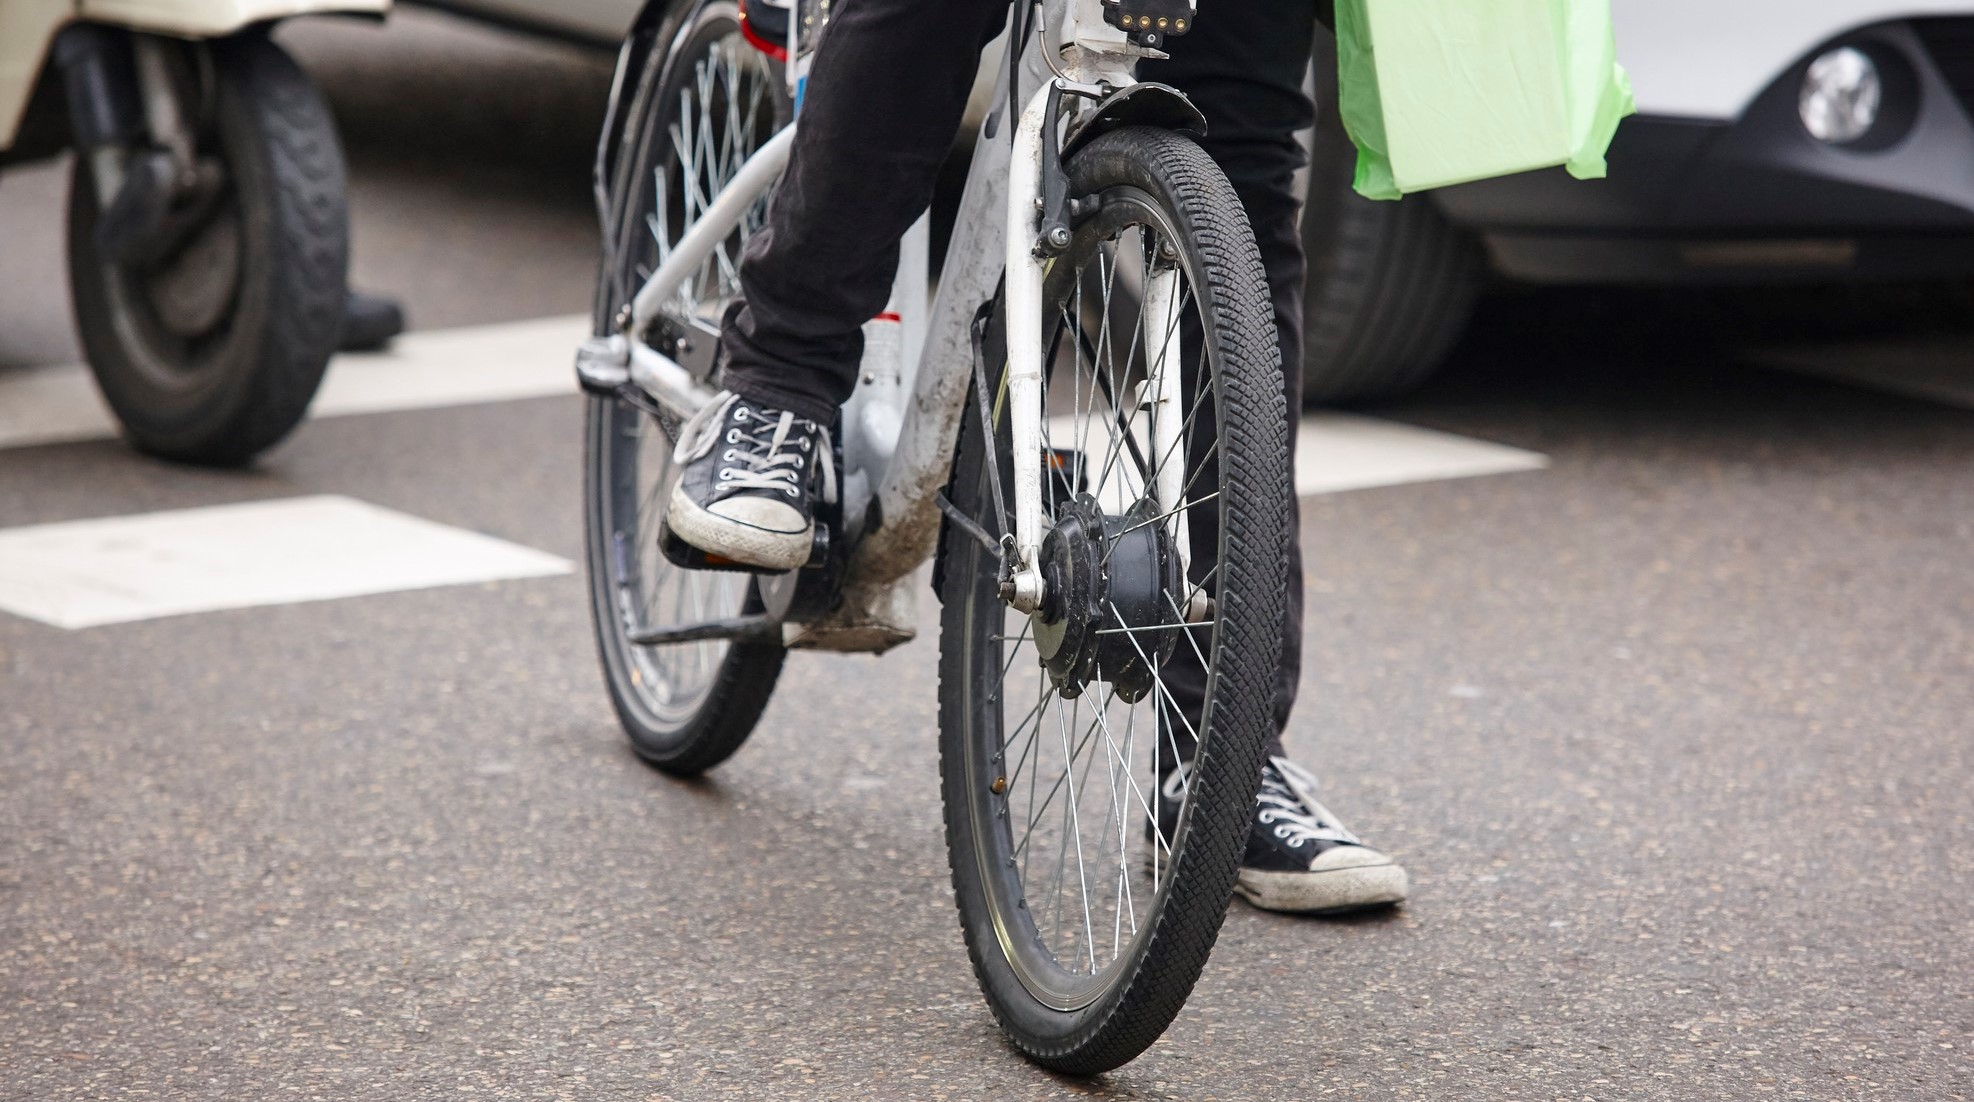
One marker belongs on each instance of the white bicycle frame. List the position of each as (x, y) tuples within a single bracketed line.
[(901, 424)]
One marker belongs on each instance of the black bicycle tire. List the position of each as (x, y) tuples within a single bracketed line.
[(748, 672), (1169, 957)]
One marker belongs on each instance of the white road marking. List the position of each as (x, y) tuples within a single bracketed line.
[(442, 367), (531, 359), (85, 573), (51, 405), (522, 360), (1935, 369), (450, 367), (1334, 452), (1341, 451)]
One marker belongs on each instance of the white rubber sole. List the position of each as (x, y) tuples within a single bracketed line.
[(737, 540), (1345, 887)]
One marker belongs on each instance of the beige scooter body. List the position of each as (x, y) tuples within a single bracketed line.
[(208, 228), (28, 26)]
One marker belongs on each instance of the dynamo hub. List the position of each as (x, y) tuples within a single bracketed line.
[(1110, 583)]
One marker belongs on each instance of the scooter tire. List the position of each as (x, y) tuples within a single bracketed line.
[(220, 380)]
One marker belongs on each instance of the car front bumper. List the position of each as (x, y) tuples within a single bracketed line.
[(1758, 199)]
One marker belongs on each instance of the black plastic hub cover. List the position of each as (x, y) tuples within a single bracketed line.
[(1110, 582)]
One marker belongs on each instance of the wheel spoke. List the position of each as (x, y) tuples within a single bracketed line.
[(710, 119), (1080, 846)]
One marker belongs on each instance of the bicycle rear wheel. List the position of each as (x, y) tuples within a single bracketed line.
[(1099, 759), (704, 103)]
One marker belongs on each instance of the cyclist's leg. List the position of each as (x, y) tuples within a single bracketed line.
[(1243, 65), (883, 102)]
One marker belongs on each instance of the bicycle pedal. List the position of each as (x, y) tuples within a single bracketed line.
[(687, 557)]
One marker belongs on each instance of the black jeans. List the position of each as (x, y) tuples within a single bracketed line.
[(883, 102)]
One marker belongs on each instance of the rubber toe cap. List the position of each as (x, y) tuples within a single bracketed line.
[(764, 513)]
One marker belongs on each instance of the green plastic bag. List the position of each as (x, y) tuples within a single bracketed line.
[(1438, 92)]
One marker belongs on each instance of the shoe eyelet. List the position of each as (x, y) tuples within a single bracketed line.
[(728, 456), (733, 436), (1282, 833), (726, 473), (789, 490)]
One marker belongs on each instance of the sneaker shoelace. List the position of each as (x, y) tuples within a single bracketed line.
[(758, 457), (1288, 804)]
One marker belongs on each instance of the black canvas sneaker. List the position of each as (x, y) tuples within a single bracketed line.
[(1300, 858), (750, 485)]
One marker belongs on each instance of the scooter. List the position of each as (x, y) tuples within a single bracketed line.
[(208, 226)]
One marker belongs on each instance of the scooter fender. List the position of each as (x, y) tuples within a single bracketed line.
[(26, 28), (213, 18)]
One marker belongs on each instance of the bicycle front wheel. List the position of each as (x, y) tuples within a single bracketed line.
[(1100, 757)]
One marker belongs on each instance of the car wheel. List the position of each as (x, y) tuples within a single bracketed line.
[(1391, 284)]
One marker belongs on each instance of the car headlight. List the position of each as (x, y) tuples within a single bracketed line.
[(1842, 93)]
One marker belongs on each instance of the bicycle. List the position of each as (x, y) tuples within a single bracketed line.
[(1091, 446)]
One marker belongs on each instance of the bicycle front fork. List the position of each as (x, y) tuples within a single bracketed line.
[(1033, 203)]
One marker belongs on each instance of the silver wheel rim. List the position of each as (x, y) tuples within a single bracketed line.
[(1081, 877), (722, 110)]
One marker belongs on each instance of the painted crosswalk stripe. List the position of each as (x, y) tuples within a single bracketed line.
[(450, 367), (86, 573), (1341, 451), (1334, 452), (531, 359), (442, 367)]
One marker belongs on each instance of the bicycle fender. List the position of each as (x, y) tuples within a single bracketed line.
[(1145, 104), (654, 19)]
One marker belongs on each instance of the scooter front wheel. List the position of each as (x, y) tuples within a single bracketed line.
[(210, 347)]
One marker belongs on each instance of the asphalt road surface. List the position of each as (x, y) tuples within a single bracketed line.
[(1673, 733)]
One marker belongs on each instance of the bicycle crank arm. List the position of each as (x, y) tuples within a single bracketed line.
[(738, 629), (608, 365)]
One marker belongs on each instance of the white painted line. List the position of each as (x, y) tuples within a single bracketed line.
[(444, 367), (51, 405), (532, 359), (1340, 451), (1933, 369), (86, 573), (1334, 452), (451, 367)]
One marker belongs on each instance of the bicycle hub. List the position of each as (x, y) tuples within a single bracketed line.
[(1110, 605)]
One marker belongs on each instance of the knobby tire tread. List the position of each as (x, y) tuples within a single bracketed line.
[(1255, 533), (312, 220)]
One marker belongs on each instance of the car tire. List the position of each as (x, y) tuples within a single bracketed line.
[(1391, 284)]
